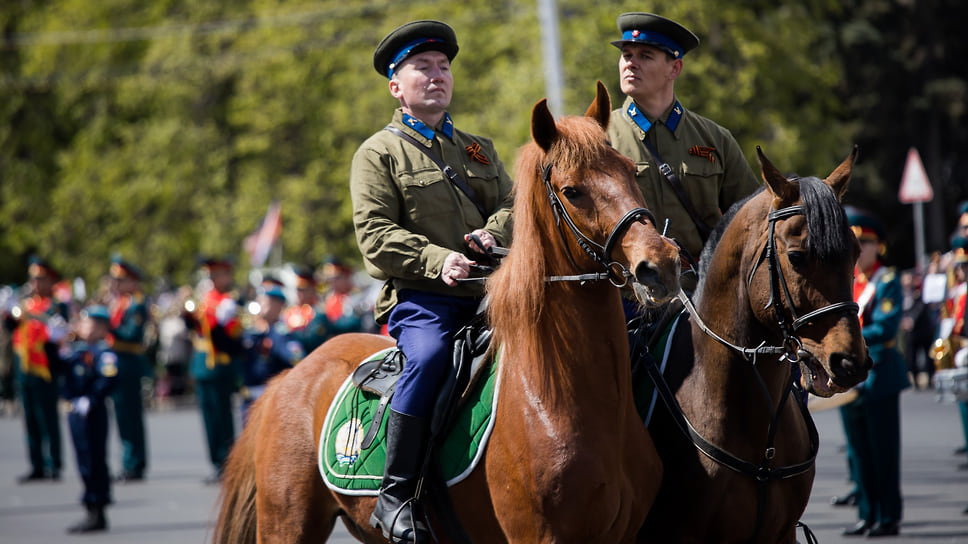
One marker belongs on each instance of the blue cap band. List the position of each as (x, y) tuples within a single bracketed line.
[(653, 38), (404, 53)]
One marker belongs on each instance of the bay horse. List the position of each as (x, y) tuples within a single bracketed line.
[(775, 292), (568, 459)]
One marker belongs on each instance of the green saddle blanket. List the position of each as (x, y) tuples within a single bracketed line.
[(348, 469)]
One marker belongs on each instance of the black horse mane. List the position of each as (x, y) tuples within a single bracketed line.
[(827, 226)]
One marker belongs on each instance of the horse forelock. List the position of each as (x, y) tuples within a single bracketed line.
[(583, 142), (827, 227)]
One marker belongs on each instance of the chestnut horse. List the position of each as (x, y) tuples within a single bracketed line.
[(775, 293), (568, 459)]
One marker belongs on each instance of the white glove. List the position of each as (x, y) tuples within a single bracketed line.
[(961, 358), (57, 329), (225, 311), (82, 406), (8, 300)]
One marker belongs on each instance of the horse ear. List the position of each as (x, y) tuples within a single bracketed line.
[(601, 109), (543, 128), (785, 191), (838, 179)]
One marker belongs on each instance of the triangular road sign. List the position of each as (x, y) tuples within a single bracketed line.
[(915, 186)]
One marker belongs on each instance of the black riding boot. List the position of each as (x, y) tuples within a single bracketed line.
[(395, 513), (95, 520)]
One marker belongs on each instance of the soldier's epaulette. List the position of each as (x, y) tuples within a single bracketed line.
[(889, 274)]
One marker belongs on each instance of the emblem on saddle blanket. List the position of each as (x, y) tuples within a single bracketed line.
[(349, 468)]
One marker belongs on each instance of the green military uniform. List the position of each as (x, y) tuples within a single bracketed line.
[(216, 367), (129, 316), (409, 216), (37, 332), (705, 157), (872, 424)]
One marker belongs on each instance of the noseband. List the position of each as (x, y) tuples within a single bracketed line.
[(615, 272)]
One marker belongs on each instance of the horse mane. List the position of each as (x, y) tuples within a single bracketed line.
[(518, 307), (827, 226)]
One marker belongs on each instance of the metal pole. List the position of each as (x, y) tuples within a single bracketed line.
[(551, 54), (920, 257)]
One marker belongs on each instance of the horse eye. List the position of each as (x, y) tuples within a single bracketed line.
[(797, 258), (570, 193)]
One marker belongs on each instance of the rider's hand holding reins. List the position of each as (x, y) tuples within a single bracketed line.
[(457, 266)]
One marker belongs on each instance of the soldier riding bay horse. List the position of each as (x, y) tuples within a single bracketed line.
[(775, 294), (568, 459)]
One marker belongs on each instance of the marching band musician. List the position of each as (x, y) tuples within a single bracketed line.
[(872, 423), (269, 346), (341, 300), (38, 325), (955, 310), (129, 317), (216, 362), (308, 324)]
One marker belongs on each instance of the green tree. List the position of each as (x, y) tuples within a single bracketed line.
[(162, 130)]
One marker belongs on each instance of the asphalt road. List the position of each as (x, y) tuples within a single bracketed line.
[(174, 506)]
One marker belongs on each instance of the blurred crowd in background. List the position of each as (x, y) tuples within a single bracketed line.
[(265, 325)]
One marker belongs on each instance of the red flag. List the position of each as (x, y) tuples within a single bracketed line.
[(259, 243)]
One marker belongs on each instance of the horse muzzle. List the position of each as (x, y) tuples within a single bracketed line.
[(848, 371), (842, 372), (654, 284)]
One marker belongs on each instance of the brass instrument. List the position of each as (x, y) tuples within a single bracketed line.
[(943, 351)]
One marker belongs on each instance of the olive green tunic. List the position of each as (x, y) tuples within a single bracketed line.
[(408, 216), (706, 158)]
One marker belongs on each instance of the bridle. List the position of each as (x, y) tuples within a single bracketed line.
[(777, 281), (614, 272), (791, 347)]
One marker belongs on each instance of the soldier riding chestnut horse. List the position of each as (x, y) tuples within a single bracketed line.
[(568, 459)]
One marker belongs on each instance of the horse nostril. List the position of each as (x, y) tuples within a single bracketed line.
[(843, 365), (647, 274)]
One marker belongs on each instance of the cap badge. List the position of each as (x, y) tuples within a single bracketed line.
[(635, 33)]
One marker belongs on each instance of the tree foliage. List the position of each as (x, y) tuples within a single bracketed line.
[(162, 130)]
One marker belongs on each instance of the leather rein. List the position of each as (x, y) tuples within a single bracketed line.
[(614, 272)]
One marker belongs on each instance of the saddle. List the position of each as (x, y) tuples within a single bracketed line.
[(380, 376)]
